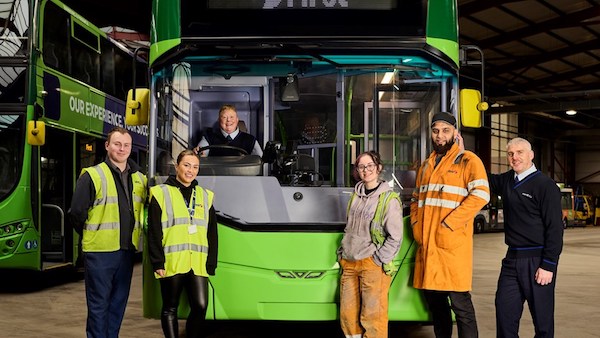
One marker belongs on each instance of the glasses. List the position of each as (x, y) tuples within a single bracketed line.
[(369, 167)]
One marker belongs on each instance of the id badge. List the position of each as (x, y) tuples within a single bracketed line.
[(192, 229)]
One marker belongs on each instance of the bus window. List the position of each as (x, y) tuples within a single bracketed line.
[(55, 38), (10, 152)]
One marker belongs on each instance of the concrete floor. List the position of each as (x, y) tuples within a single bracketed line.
[(57, 308)]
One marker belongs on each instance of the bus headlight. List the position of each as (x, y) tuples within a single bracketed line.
[(11, 229)]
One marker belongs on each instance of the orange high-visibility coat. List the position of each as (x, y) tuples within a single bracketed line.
[(445, 201)]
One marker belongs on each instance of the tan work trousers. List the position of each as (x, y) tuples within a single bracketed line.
[(364, 290)]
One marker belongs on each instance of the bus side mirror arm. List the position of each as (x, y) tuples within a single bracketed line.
[(138, 100)]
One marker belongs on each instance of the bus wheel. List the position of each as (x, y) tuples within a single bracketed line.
[(478, 226)]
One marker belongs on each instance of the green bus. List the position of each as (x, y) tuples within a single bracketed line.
[(64, 85), (317, 82)]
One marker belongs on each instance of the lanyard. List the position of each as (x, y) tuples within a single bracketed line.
[(191, 206)]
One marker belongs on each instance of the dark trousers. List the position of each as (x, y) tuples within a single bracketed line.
[(516, 285), (461, 304), (107, 282), (171, 288)]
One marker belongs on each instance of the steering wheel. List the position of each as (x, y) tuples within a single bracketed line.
[(223, 146)]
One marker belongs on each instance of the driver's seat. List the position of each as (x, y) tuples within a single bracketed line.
[(242, 126)]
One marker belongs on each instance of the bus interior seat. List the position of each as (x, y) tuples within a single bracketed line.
[(165, 164), (50, 58), (242, 126)]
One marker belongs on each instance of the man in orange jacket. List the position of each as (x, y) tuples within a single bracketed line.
[(451, 188)]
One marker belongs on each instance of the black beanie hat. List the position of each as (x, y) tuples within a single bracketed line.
[(444, 117)]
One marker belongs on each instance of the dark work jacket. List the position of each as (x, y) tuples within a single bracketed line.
[(155, 234), (242, 140), (85, 194), (532, 215)]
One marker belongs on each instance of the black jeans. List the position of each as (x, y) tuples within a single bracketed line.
[(460, 303), (197, 292)]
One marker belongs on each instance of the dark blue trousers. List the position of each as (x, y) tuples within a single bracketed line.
[(516, 285), (107, 283)]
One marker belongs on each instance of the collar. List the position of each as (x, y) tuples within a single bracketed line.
[(233, 135), (112, 166), (527, 172)]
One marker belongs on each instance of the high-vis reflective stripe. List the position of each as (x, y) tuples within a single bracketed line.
[(438, 202), (186, 247), (185, 241), (452, 189), (449, 190), (101, 232)]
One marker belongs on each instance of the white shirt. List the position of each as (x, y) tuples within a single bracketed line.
[(527, 172)]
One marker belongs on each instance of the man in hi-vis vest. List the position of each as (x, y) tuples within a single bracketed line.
[(451, 187), (107, 210)]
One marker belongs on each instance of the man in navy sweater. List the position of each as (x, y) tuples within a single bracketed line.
[(534, 234)]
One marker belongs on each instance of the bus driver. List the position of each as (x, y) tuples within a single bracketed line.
[(229, 134)]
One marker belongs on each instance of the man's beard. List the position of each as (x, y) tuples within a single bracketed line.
[(442, 149)]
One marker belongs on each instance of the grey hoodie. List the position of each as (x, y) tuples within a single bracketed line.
[(357, 243)]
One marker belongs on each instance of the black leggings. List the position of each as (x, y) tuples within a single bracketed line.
[(197, 291)]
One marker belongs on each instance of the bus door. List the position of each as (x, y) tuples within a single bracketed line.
[(394, 130), (57, 178)]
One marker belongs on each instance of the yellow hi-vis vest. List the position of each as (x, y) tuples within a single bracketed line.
[(101, 232), (377, 232), (185, 240)]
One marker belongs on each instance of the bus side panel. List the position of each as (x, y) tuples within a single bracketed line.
[(19, 245), (405, 302)]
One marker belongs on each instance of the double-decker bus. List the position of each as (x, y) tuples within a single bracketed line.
[(66, 81), (317, 82)]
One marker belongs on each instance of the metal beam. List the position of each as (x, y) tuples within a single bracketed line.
[(546, 82), (532, 60), (524, 97), (542, 27), (478, 6), (547, 107)]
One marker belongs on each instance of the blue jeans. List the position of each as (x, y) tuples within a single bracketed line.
[(107, 283)]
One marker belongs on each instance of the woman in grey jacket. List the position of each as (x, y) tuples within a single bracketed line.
[(372, 238)]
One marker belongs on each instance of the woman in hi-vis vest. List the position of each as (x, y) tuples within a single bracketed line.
[(182, 243), (371, 240)]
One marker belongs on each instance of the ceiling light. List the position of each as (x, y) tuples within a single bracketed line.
[(571, 112), (387, 78)]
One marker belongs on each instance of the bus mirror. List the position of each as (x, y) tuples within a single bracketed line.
[(471, 108), (36, 133), (136, 112)]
